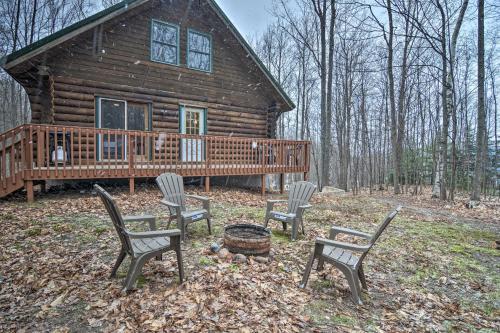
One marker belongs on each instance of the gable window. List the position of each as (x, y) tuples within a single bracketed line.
[(199, 55), (164, 42)]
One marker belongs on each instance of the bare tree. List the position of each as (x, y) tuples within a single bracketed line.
[(481, 112)]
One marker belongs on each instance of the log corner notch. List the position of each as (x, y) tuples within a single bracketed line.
[(273, 113)]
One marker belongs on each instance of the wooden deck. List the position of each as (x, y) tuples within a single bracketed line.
[(32, 152)]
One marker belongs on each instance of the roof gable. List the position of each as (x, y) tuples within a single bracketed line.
[(90, 22)]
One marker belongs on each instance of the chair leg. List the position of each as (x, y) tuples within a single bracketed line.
[(209, 224), (182, 228), (353, 281), (303, 230), (169, 222), (321, 264), (284, 225), (118, 262), (362, 277), (266, 222), (133, 272), (307, 271), (294, 230), (180, 265)]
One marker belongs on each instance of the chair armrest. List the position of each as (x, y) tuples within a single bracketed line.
[(301, 210), (197, 197), (342, 245), (334, 231), (142, 218), (151, 234), (271, 202), (204, 200), (275, 201), (170, 204)]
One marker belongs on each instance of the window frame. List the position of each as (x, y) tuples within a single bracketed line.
[(210, 54), (98, 121), (151, 41)]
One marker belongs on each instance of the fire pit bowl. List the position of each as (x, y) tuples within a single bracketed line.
[(247, 239)]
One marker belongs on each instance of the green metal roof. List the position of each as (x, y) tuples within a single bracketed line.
[(124, 5)]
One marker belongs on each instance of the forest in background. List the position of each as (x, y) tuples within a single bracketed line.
[(394, 94)]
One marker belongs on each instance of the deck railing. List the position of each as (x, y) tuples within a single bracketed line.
[(37, 152)]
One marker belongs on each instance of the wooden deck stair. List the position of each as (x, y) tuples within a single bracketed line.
[(11, 158)]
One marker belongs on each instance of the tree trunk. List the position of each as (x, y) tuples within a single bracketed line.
[(481, 113)]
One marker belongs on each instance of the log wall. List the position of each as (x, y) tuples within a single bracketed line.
[(236, 93)]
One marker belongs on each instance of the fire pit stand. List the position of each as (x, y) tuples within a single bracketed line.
[(247, 239)]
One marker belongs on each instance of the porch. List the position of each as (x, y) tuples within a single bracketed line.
[(31, 153)]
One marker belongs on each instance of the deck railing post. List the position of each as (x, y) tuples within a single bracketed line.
[(131, 140), (28, 148), (208, 156)]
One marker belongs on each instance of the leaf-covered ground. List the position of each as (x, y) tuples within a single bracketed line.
[(434, 269)]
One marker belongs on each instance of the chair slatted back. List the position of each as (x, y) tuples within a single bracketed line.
[(116, 217), (300, 194), (380, 230), (172, 187)]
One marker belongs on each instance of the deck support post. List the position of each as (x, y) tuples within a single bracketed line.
[(207, 184), (263, 183), (282, 183), (29, 191), (131, 184), (305, 176)]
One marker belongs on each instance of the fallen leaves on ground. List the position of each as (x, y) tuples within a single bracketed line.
[(432, 270)]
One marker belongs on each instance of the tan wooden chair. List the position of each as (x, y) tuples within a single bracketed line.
[(172, 187), (298, 201), (348, 258), (140, 246)]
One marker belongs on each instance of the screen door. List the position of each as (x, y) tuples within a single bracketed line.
[(193, 123), (112, 115)]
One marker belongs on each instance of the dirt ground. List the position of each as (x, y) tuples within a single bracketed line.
[(435, 268)]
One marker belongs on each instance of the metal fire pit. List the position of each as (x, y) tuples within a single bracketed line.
[(247, 239)]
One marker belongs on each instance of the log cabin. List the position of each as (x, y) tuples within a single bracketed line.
[(146, 87)]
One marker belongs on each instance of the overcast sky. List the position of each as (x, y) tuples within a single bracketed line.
[(250, 17)]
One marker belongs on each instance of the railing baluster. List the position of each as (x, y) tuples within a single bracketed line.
[(79, 153)]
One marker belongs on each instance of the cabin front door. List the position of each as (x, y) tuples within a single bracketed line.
[(121, 115), (192, 121)]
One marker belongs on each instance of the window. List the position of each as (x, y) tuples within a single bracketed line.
[(121, 115), (164, 42), (199, 51)]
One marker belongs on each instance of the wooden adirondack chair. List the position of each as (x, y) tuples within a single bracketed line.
[(298, 201), (348, 258), (141, 246), (172, 187)]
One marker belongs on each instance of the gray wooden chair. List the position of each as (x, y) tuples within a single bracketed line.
[(141, 246), (172, 187), (298, 201), (348, 258)]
